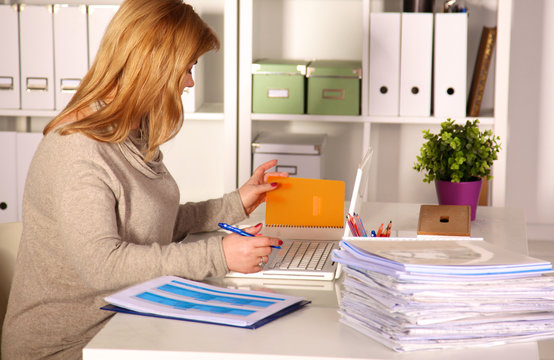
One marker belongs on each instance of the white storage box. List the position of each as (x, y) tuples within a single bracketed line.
[(301, 155)]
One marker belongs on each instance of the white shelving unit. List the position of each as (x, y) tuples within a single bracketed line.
[(339, 29), (215, 142), (202, 157)]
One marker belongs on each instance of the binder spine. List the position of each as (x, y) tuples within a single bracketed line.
[(481, 71)]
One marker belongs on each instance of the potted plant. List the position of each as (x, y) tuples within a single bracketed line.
[(457, 159)]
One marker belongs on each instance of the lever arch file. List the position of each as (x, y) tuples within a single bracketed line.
[(450, 64), (37, 57), (70, 42), (8, 180), (9, 66), (384, 64), (416, 57)]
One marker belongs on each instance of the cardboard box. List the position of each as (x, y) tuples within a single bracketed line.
[(334, 87), (301, 155), (278, 86)]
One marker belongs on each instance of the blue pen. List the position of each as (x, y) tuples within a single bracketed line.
[(239, 231)]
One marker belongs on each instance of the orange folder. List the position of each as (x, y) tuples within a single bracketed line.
[(305, 203)]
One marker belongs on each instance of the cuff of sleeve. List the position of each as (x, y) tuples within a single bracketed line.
[(236, 205), (219, 261)]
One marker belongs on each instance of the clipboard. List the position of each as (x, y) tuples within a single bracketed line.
[(449, 220)]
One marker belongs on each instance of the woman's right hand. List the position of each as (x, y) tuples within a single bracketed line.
[(244, 254)]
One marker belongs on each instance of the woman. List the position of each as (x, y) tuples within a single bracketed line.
[(100, 210)]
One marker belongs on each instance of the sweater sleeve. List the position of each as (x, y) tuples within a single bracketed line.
[(204, 216)]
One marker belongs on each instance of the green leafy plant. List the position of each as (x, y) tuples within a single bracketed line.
[(458, 152)]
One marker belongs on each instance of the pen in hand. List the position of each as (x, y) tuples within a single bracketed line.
[(239, 231)]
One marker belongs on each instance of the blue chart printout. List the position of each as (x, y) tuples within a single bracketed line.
[(174, 297)]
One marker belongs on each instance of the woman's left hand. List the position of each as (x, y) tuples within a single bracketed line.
[(252, 193)]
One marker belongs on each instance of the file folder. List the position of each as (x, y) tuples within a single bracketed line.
[(25, 147), (9, 66), (70, 49), (384, 64), (450, 65), (172, 297), (8, 187), (37, 57), (416, 55), (99, 16)]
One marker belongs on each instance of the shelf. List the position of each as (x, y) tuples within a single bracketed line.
[(308, 117), (208, 111), (28, 113), (423, 120), (486, 120)]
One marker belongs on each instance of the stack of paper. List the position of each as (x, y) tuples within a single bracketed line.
[(436, 294)]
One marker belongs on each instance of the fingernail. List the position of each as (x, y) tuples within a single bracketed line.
[(274, 184), (280, 242), (259, 224)]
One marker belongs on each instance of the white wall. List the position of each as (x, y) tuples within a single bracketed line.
[(530, 169)]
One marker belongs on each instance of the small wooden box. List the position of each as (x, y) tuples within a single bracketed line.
[(449, 220)]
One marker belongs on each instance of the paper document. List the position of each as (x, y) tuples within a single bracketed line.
[(438, 294), (447, 257), (177, 298)]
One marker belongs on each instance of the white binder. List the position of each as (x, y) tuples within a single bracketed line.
[(37, 57), (416, 56), (99, 16), (8, 187), (384, 63), (450, 65), (70, 49), (9, 66), (26, 145)]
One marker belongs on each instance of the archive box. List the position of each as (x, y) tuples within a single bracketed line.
[(334, 87), (301, 155), (278, 86)]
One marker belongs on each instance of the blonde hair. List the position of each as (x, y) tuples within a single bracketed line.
[(140, 68)]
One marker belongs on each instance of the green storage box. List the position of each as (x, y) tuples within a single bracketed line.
[(278, 86), (334, 87)]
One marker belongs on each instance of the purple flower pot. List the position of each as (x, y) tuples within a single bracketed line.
[(462, 193)]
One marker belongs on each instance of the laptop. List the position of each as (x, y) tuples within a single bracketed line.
[(306, 255)]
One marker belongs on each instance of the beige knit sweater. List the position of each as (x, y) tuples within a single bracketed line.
[(96, 219)]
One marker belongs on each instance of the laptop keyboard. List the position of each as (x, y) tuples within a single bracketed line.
[(302, 255)]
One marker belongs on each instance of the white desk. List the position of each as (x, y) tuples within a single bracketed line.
[(310, 333)]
